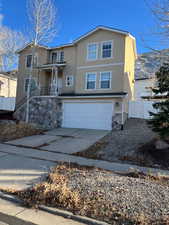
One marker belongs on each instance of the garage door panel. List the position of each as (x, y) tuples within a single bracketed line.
[(89, 115)]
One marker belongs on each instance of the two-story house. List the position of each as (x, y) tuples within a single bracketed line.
[(85, 84)]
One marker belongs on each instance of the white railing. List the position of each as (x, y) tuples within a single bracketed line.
[(7, 103)]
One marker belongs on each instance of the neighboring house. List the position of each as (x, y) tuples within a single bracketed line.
[(143, 88), (8, 84), (85, 84)]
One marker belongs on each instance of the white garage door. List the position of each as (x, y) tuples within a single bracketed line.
[(89, 115)]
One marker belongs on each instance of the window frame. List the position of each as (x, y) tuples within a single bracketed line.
[(67, 80), (27, 61), (97, 51), (86, 81), (58, 56), (100, 80), (102, 43), (36, 55), (27, 78)]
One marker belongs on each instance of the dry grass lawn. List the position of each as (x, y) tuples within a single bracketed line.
[(13, 131)]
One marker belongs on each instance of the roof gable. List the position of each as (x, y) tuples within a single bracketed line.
[(126, 33)]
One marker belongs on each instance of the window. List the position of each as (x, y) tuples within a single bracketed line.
[(105, 80), (61, 56), (33, 84), (107, 49), (28, 61), (69, 81), (92, 51), (54, 57), (91, 81), (57, 56)]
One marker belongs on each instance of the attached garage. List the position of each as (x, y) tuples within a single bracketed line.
[(88, 114)]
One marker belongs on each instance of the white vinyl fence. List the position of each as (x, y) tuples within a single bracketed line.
[(7, 104), (140, 109)]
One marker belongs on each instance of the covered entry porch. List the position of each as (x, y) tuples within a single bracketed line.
[(51, 79)]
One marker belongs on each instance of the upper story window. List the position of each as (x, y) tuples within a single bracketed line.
[(105, 80), (62, 56), (69, 81), (91, 81), (29, 60), (92, 51), (57, 56), (54, 57), (107, 49)]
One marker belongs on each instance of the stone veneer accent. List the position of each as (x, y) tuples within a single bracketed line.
[(46, 112), (117, 120)]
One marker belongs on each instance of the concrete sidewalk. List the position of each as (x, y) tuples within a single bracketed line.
[(22, 167), (11, 213)]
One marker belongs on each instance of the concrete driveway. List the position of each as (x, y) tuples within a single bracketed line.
[(62, 140)]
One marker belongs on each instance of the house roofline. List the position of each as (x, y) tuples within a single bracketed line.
[(29, 44), (101, 27), (95, 95)]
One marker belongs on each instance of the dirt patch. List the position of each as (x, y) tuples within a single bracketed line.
[(14, 131), (159, 156), (133, 198)]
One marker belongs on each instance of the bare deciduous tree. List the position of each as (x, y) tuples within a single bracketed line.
[(10, 41), (42, 15)]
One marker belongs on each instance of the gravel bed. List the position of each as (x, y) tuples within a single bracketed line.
[(120, 146), (120, 143), (131, 197), (128, 199)]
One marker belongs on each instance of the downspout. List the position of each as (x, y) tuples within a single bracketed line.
[(122, 116)]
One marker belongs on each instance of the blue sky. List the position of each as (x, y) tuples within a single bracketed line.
[(76, 17)]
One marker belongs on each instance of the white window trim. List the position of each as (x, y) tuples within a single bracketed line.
[(26, 58), (87, 73), (72, 80), (101, 80), (27, 78), (102, 43), (97, 51), (36, 55), (58, 55)]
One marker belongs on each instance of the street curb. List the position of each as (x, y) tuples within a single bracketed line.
[(55, 211), (70, 215)]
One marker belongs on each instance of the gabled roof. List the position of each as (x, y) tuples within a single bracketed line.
[(29, 44), (123, 32), (103, 28)]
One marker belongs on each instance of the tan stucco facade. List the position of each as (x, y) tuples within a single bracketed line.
[(8, 86), (121, 65)]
